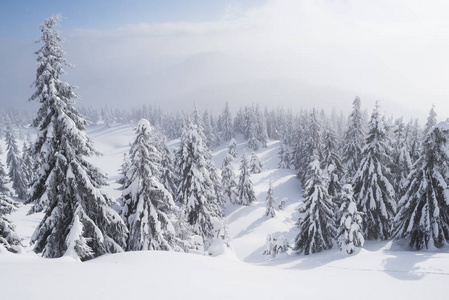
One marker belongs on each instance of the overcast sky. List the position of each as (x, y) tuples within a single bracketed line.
[(295, 53)]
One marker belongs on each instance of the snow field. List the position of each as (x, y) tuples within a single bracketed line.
[(378, 271)]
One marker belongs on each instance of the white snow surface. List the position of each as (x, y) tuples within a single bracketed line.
[(239, 270)]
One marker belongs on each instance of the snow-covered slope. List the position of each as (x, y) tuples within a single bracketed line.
[(378, 271)]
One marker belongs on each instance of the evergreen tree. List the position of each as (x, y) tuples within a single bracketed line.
[(227, 127), (169, 178), (228, 179), (262, 135), (349, 235), (353, 140), (245, 188), (9, 239), (372, 188), (431, 121), (401, 161), (196, 191), (28, 162), (148, 206), (284, 157), (317, 226), (232, 148), (331, 163), (15, 165), (414, 139), (255, 164), (312, 145), (270, 202), (423, 217), (78, 220)]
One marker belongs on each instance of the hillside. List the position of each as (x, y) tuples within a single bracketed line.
[(378, 271)]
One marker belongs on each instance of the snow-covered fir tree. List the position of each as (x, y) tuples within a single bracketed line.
[(245, 188), (196, 191), (316, 226), (228, 179), (269, 200), (349, 233), (148, 208), (255, 164), (373, 191), (169, 177), (401, 161), (423, 216), (353, 140), (284, 157), (414, 139), (209, 131), (28, 162), (331, 163), (216, 180), (312, 145), (261, 130), (431, 121), (15, 165), (226, 124), (9, 239), (78, 220), (232, 148)]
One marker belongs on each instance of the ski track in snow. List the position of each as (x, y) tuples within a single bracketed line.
[(242, 272)]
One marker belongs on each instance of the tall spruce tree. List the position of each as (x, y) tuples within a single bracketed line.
[(316, 226), (15, 165), (353, 140), (196, 191), (148, 206), (9, 239), (423, 217), (372, 188), (312, 145), (78, 220), (245, 188)]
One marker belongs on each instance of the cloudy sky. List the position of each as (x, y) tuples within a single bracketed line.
[(294, 53)]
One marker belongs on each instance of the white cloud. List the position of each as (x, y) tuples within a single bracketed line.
[(396, 50)]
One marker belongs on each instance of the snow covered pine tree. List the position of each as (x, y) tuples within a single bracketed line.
[(349, 234), (245, 188), (372, 188), (228, 179), (423, 217), (148, 206), (317, 226), (353, 140), (9, 239), (15, 165), (79, 220), (196, 191)]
